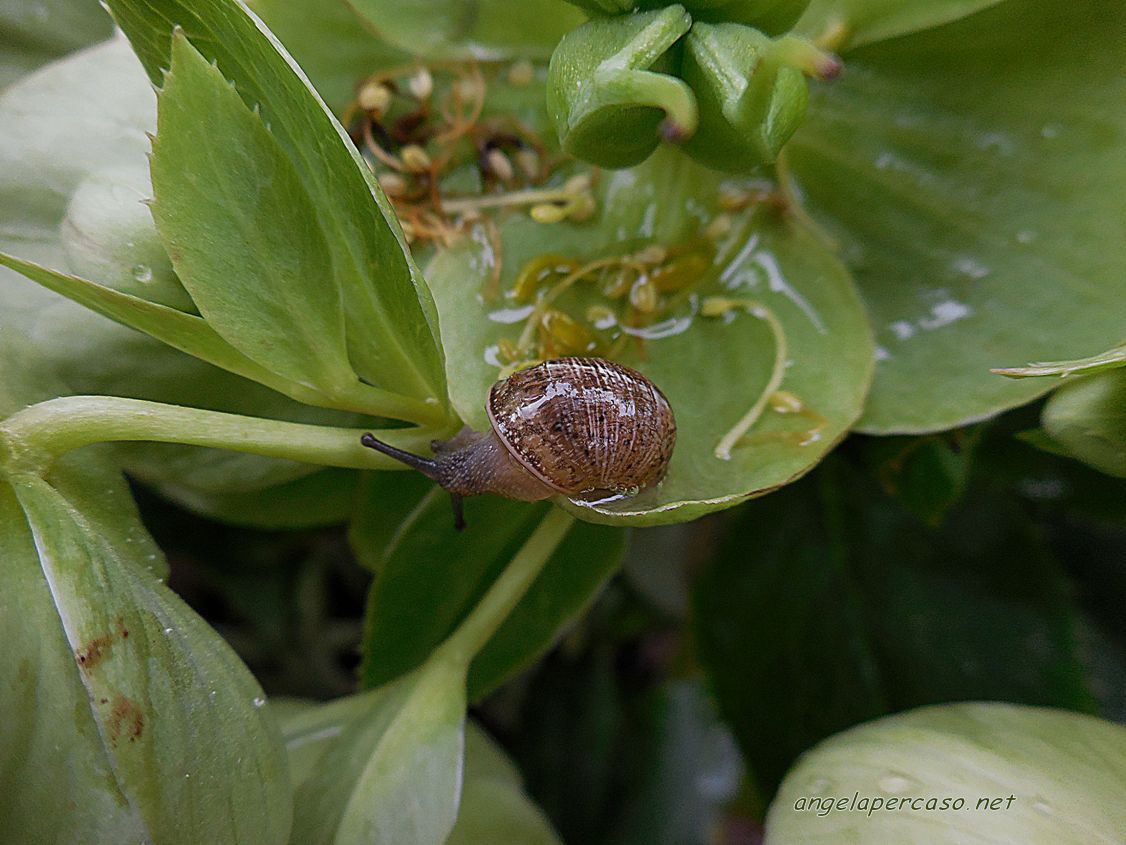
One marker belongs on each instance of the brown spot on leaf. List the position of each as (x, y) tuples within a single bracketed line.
[(126, 719), (91, 654)]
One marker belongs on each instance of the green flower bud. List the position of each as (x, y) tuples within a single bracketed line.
[(751, 90), (606, 92)]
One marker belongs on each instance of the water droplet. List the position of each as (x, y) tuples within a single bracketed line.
[(511, 315), (1051, 130), (819, 786), (896, 783), (901, 329), (967, 265), (259, 701), (142, 273), (1026, 236), (1043, 807)]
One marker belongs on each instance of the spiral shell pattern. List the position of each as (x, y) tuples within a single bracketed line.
[(586, 427)]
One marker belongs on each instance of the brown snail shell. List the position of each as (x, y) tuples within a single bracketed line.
[(584, 428)]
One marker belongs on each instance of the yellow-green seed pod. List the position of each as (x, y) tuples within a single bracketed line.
[(533, 274), (680, 273), (752, 92), (609, 90), (566, 335)]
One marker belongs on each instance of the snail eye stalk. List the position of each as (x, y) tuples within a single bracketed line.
[(426, 466)]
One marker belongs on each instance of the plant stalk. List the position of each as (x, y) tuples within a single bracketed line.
[(33, 438), (505, 593)]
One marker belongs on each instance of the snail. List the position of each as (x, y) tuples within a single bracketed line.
[(585, 428)]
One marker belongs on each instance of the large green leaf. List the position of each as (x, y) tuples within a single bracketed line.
[(322, 498), (102, 96), (330, 42), (494, 807), (112, 681), (429, 576), (1023, 774), (32, 34), (471, 29), (1088, 419), (973, 174), (383, 767), (390, 321), (711, 369), (242, 231), (829, 604), (852, 23)]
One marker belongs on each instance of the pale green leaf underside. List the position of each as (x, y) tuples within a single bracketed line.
[(146, 678), (471, 29), (1108, 360), (714, 371), (391, 326), (493, 807), (102, 95), (383, 766), (330, 42), (1088, 419), (974, 174), (32, 34), (1066, 771), (241, 230), (180, 330), (853, 23)]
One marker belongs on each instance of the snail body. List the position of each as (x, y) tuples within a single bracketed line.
[(585, 428)]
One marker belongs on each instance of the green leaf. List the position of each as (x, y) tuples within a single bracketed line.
[(330, 43), (485, 30), (241, 230), (429, 576), (853, 23), (976, 197), (32, 34), (1088, 419), (383, 766), (186, 332), (927, 474), (711, 369), (689, 773), (322, 498), (390, 322), (829, 604), (108, 235), (1109, 360), (102, 96), (494, 807), (1046, 778), (112, 682)]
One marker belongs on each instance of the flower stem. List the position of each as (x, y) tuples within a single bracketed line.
[(33, 438), (484, 620), (777, 373)]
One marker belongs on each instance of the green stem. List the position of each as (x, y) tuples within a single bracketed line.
[(484, 620), (35, 436)]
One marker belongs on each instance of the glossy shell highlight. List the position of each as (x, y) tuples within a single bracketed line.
[(585, 426)]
